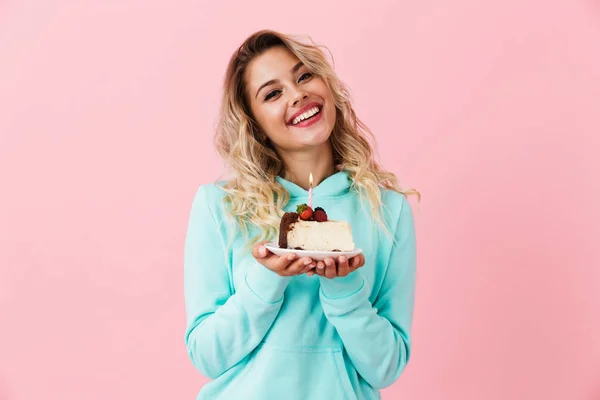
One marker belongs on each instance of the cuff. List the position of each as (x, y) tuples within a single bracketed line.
[(266, 284), (338, 288)]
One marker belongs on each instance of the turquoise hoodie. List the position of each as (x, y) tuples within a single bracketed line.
[(260, 336)]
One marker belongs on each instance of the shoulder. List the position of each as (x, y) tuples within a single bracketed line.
[(210, 196), (396, 203), (213, 190)]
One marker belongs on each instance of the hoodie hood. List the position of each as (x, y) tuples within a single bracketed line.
[(335, 185)]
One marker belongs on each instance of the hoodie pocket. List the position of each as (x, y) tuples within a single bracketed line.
[(292, 373), (338, 359)]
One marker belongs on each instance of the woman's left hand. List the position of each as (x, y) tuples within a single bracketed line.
[(341, 266)]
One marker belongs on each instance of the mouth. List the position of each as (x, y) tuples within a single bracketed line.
[(306, 113)]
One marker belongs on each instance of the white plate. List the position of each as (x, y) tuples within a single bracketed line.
[(315, 255)]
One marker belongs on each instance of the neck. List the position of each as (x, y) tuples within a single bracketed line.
[(298, 165)]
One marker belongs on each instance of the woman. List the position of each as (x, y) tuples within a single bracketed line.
[(268, 327)]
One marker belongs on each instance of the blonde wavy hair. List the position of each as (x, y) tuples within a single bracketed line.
[(253, 196)]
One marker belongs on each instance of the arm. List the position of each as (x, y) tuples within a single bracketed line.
[(223, 327), (377, 337)]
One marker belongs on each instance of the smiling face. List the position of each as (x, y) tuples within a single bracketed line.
[(293, 107)]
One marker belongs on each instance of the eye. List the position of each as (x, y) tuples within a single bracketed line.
[(272, 94), (305, 76)]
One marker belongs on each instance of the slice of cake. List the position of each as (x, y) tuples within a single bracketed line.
[(308, 230)]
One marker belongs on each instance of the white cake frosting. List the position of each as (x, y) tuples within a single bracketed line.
[(321, 236)]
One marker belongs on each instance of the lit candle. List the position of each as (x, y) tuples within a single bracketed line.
[(310, 191)]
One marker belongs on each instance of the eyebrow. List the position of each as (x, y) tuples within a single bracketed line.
[(272, 81)]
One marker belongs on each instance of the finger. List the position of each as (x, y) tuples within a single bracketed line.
[(357, 262), (327, 260), (342, 267), (330, 270), (259, 250), (320, 269), (280, 263), (361, 261), (353, 263), (309, 267), (320, 272), (299, 266)]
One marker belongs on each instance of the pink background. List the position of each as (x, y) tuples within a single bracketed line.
[(491, 109)]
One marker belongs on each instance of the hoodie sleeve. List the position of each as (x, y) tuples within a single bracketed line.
[(377, 336), (223, 327)]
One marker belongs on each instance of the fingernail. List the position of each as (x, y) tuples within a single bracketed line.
[(328, 262), (291, 256), (320, 266), (306, 262), (342, 259), (262, 251)]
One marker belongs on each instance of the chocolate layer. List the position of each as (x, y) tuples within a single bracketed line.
[(287, 221)]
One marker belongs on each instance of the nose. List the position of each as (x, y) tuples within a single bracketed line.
[(299, 96)]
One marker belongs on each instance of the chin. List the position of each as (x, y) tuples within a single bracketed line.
[(315, 138)]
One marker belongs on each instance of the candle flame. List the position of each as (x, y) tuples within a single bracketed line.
[(311, 179)]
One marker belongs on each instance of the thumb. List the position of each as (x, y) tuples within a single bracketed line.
[(260, 251)]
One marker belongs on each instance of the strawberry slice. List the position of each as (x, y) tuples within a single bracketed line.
[(305, 212)]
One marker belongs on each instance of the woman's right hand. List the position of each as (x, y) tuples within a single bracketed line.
[(287, 265)]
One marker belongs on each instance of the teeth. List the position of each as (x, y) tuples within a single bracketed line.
[(305, 115)]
